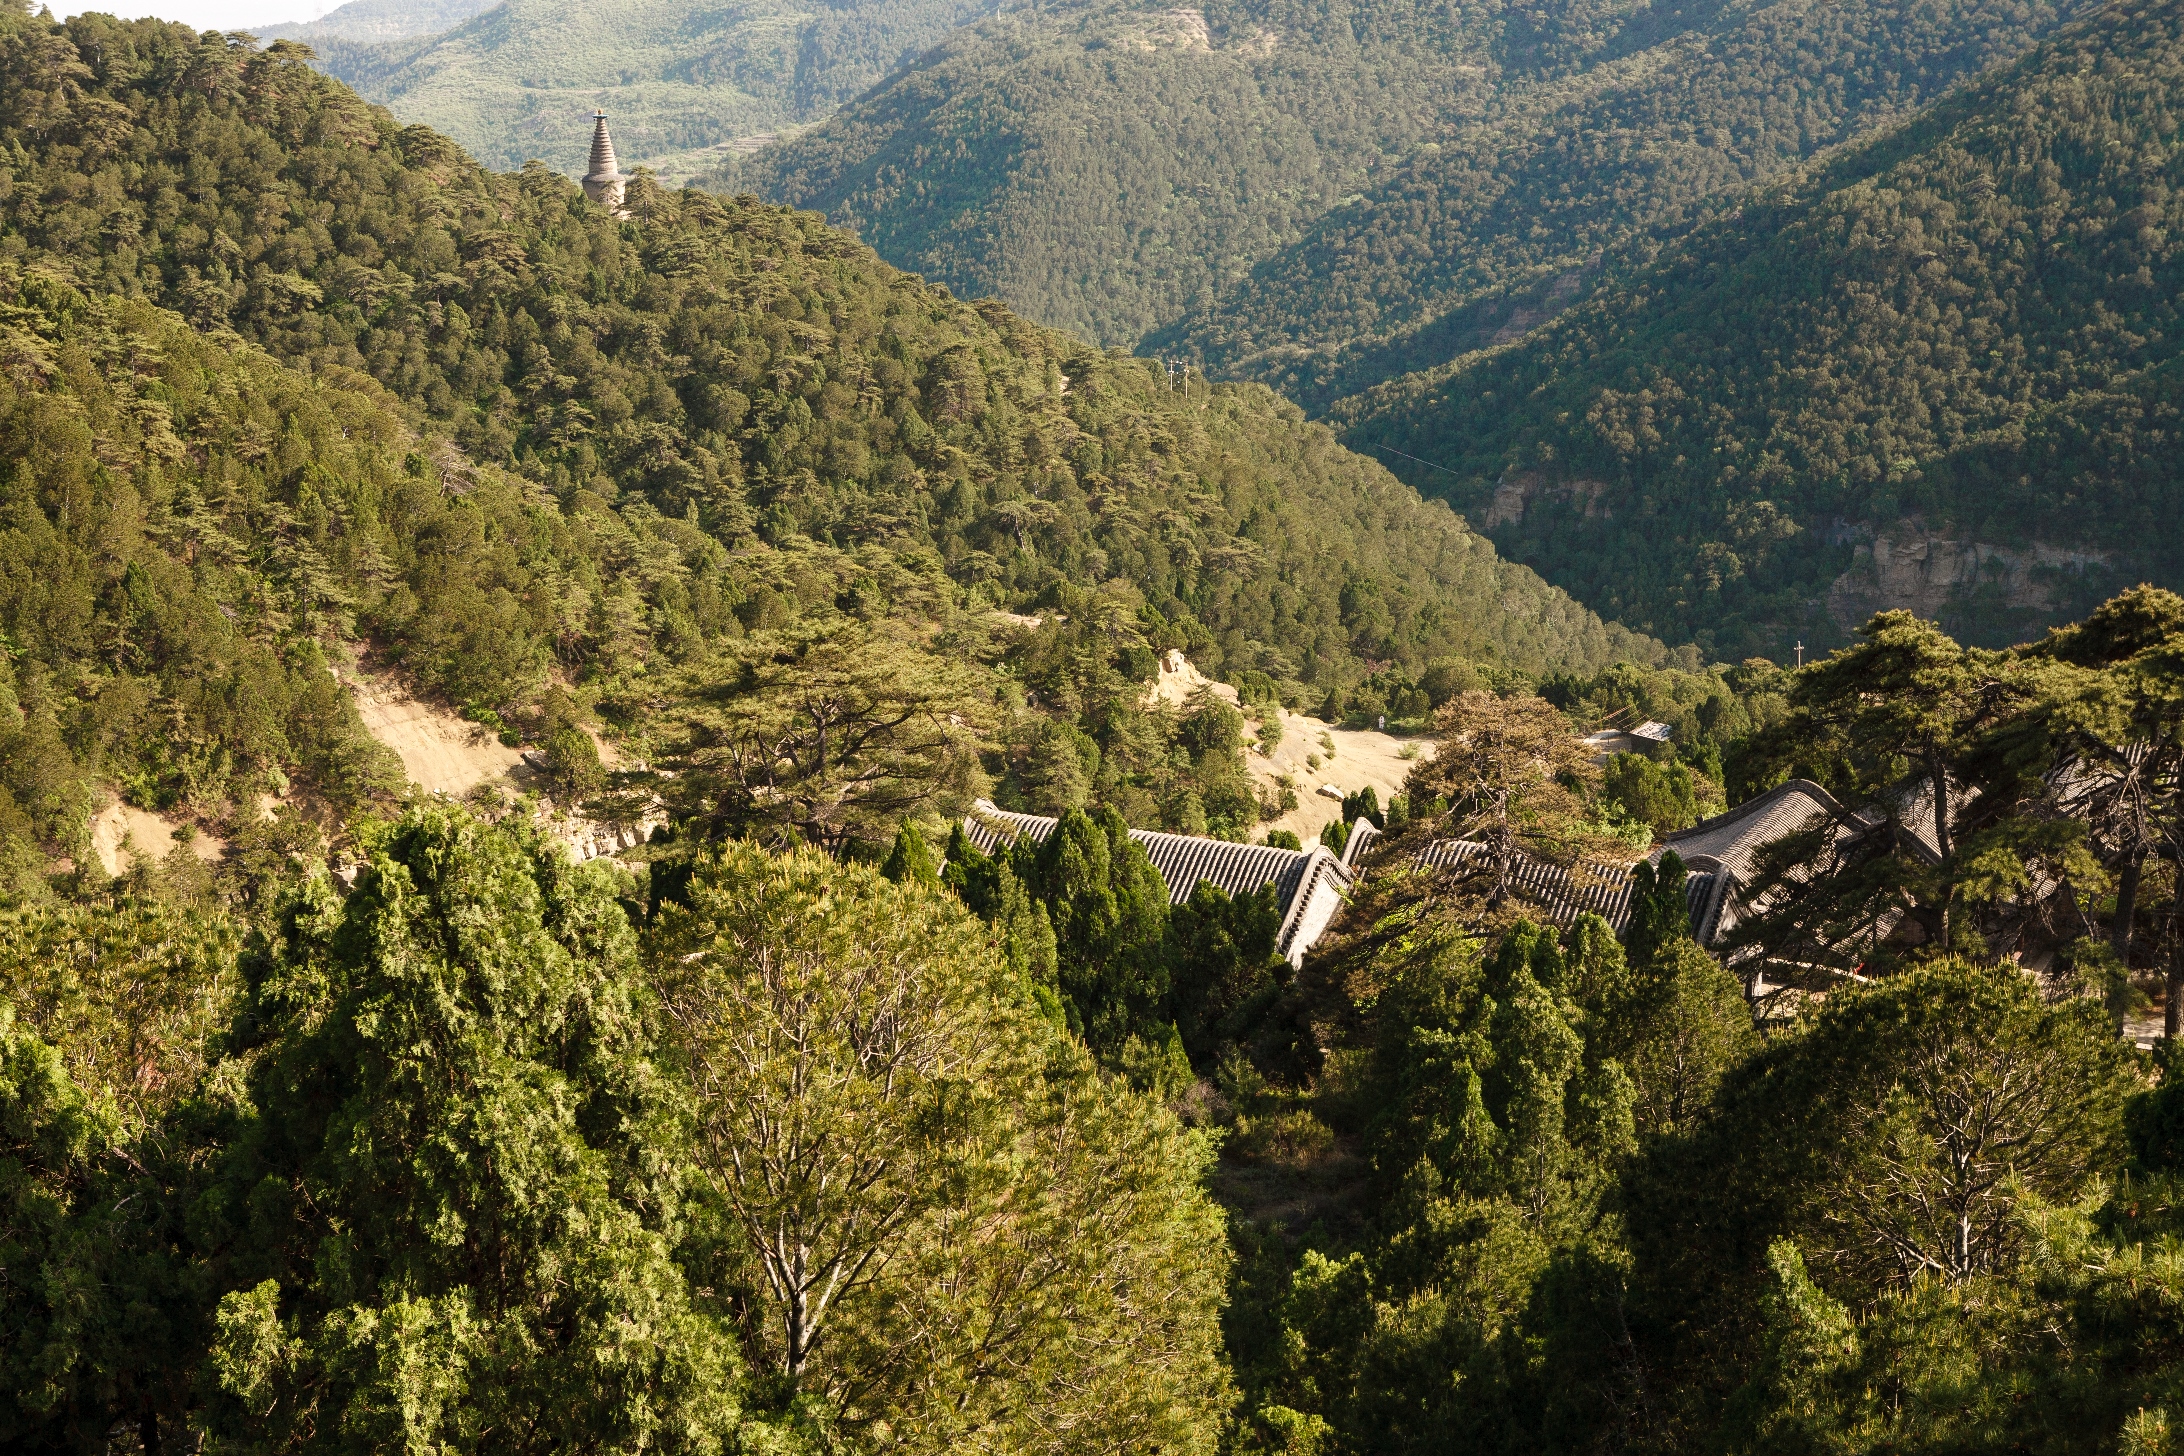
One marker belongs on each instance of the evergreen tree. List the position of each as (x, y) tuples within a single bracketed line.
[(1663, 797), (456, 1195), (909, 859), (1690, 1026), (1227, 970), (1510, 777), (1028, 946), (67, 1321), (1659, 915), (1109, 910), (938, 1219), (132, 1000)]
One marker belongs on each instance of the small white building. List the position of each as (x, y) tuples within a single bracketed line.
[(1648, 738)]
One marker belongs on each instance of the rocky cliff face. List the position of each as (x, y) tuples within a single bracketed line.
[(1948, 580), (1517, 490)]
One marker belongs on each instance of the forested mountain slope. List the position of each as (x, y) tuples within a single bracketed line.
[(1511, 215), (1102, 166), (617, 454), (1956, 344), (373, 21), (521, 79), (1294, 193)]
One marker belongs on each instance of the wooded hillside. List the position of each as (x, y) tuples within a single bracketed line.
[(1324, 197), (619, 454), (1968, 323), (1575, 172), (1101, 167)]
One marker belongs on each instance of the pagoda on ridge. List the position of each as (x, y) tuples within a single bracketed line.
[(604, 182)]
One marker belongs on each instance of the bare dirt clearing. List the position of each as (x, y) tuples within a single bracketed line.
[(441, 752), (1361, 758), (122, 832)]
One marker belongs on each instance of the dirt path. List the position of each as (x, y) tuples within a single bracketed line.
[(1360, 757)]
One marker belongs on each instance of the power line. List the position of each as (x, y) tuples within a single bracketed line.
[(1427, 463)]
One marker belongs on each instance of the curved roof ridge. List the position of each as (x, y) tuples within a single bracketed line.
[(1760, 803), (1362, 833), (1182, 859)]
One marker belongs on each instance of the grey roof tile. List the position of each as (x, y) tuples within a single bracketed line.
[(1182, 859), (1604, 890)]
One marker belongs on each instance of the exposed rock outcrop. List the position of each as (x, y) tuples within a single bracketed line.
[(122, 833), (441, 752), (1183, 30), (1526, 317), (1936, 576), (1518, 490)]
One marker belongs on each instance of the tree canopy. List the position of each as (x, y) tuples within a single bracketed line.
[(1959, 331)]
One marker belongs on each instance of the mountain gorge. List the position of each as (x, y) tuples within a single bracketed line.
[(1324, 198), (1936, 368)]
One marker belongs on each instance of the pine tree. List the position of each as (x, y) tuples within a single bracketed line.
[(1658, 914), (1109, 909), (944, 1217), (909, 859), (1227, 971), (452, 1214)]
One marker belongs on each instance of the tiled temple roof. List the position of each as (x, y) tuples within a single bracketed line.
[(1185, 859), (1603, 890)]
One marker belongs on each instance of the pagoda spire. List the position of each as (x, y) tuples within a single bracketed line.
[(603, 184)]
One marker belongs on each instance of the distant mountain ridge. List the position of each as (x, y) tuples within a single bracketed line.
[(1943, 369), (372, 21), (520, 80), (1323, 197), (1513, 215), (1103, 166)]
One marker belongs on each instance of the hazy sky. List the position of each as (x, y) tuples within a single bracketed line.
[(207, 14)]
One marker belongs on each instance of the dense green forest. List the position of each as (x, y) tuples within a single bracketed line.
[(519, 81), (469, 1161), (806, 1128), (1526, 1187), (1100, 167), (736, 1148), (453, 1151), (1322, 197), (714, 443), (1662, 118), (1965, 328)]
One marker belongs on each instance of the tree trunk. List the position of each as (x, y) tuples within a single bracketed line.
[(799, 1336), (2119, 934), (2173, 1005), (1938, 776)]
